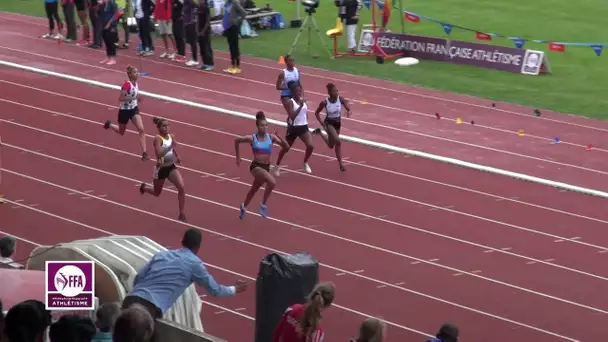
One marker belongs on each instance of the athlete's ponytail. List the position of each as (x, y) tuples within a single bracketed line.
[(259, 117), (321, 297), (158, 121)]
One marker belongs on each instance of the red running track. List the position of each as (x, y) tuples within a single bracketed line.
[(505, 259), (406, 291), (492, 141)]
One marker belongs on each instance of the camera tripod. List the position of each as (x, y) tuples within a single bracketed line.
[(306, 25)]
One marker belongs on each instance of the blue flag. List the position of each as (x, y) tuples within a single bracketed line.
[(447, 28), (367, 3), (519, 42), (598, 49)]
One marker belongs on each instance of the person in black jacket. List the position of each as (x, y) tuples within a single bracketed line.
[(95, 24), (143, 10), (204, 35), (349, 13), (178, 29)]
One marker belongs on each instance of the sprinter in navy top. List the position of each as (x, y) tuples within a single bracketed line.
[(261, 146)]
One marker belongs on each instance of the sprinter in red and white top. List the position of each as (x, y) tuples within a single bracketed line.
[(301, 322), (129, 110)]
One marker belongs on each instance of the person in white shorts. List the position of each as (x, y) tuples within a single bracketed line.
[(162, 14)]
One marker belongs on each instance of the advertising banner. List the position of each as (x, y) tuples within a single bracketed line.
[(528, 62)]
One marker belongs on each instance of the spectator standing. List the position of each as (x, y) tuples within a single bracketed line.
[(27, 322), (143, 9), (125, 8), (52, 13), (95, 24), (190, 13), (169, 273), (81, 8), (348, 11), (106, 318), (134, 324), (69, 14), (72, 328), (109, 18), (204, 35), (178, 29), (234, 14), (162, 15)]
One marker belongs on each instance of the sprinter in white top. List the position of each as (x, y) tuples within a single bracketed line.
[(165, 168), (333, 105), (287, 77), (128, 109), (297, 127)]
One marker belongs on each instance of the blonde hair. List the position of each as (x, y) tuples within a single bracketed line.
[(371, 330), (322, 296)]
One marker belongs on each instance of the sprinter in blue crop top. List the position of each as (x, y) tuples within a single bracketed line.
[(261, 146)]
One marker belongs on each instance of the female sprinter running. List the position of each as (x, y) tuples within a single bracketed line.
[(301, 322), (129, 111), (166, 158), (297, 127), (288, 76), (332, 123), (261, 146)]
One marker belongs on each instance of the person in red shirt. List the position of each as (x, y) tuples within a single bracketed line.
[(163, 16), (301, 322)]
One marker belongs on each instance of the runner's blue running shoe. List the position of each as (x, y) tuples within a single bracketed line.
[(243, 211), (263, 210)]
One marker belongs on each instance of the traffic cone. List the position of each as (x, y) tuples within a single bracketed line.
[(281, 60), (520, 132), (589, 147)]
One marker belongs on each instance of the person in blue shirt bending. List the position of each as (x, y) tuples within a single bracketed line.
[(169, 273)]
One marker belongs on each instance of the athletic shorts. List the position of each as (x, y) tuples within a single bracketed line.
[(125, 115), (335, 123), (165, 27), (294, 132), (255, 164), (81, 5), (163, 172)]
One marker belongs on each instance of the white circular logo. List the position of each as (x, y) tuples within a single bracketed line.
[(70, 281)]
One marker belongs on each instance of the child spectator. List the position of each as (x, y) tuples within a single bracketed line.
[(52, 13), (109, 18), (302, 322), (447, 333), (162, 15), (371, 330), (72, 328), (27, 322), (106, 317)]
